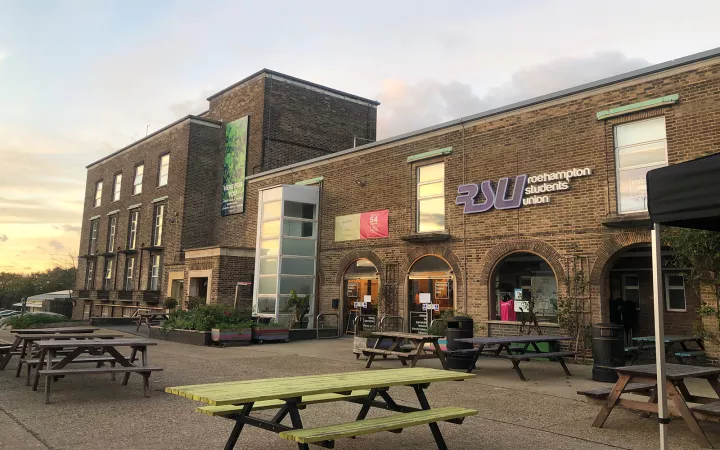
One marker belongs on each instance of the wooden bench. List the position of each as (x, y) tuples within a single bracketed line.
[(689, 354), (145, 371), (394, 423), (228, 410), (708, 411), (533, 355), (33, 362), (603, 393)]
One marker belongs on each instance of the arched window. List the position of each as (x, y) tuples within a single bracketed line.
[(361, 285), (522, 281), (431, 281)]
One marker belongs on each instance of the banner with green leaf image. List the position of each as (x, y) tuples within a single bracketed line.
[(236, 136)]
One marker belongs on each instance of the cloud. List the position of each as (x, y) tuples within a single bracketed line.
[(55, 245), (3, 237), (3, 56), (67, 228), (405, 107), (27, 268)]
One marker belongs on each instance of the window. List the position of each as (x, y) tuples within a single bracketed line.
[(520, 280), (98, 193), (129, 268), (116, 187), (675, 292), (158, 228), (431, 198), (137, 182), (164, 167), (639, 147), (132, 232), (631, 288), (90, 283), (155, 273), (92, 249), (112, 228), (108, 275)]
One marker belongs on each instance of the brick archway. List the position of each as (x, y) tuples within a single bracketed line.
[(437, 250), (354, 255), (607, 253), (535, 246)]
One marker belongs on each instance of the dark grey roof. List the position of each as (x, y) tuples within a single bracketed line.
[(189, 116), (297, 80), (686, 60)]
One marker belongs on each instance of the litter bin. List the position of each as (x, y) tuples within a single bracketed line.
[(608, 347), (458, 327)]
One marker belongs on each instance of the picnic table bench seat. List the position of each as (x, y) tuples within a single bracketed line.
[(393, 423), (142, 370), (530, 355), (228, 410), (708, 410), (603, 393), (99, 360)]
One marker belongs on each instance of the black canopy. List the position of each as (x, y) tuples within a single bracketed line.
[(686, 194)]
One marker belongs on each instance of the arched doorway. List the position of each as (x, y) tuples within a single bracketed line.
[(361, 287), (431, 282), (519, 279)]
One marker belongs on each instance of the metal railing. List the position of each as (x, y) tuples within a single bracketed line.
[(385, 318), (337, 322)]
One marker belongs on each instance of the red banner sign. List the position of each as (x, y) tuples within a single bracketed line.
[(374, 224)]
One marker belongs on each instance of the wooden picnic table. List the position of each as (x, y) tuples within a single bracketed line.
[(13, 350), (647, 343), (148, 317), (516, 354), (236, 401), (644, 380), (28, 340), (51, 367), (417, 353)]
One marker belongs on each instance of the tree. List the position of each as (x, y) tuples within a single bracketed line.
[(15, 286), (699, 251)]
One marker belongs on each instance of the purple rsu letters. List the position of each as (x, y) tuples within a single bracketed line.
[(499, 199)]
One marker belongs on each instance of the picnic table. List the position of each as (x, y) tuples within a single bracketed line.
[(642, 379), (418, 352), (52, 367), (148, 317), (288, 396), (13, 350), (647, 343), (486, 348)]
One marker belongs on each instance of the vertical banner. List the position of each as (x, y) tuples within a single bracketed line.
[(236, 136)]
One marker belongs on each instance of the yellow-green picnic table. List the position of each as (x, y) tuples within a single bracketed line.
[(236, 400)]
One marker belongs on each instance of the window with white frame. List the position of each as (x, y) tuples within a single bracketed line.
[(158, 226), (132, 229), (431, 198), (117, 184), (155, 273), (98, 193), (90, 279), (164, 169), (108, 274), (675, 292), (137, 181), (112, 230), (639, 147), (129, 269), (92, 248), (631, 288)]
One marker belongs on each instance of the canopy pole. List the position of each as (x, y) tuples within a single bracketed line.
[(659, 335)]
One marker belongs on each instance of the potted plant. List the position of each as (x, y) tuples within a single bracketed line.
[(237, 333), (170, 304), (302, 306), (270, 331)]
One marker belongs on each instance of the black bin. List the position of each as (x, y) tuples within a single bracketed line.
[(458, 327), (608, 347)]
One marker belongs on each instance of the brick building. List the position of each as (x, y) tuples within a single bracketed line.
[(482, 214)]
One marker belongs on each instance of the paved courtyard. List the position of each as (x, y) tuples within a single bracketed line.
[(92, 412)]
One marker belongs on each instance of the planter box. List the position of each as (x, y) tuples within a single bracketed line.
[(261, 335), (236, 337), (183, 336)]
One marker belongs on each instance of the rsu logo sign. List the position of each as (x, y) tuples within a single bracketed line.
[(493, 198)]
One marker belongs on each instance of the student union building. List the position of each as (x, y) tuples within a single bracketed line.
[(282, 186)]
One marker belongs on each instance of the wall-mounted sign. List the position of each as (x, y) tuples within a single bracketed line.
[(367, 225), (431, 306), (367, 298), (527, 190), (236, 138), (442, 289), (361, 304), (520, 304), (352, 289), (425, 297), (419, 322)]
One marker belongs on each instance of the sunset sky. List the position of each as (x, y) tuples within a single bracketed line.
[(80, 79)]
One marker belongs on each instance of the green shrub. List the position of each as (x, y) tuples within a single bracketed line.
[(195, 302), (204, 318), (24, 321), (170, 303), (271, 325), (237, 326)]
